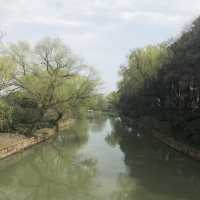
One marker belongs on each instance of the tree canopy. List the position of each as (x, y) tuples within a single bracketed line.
[(43, 83), (163, 80)]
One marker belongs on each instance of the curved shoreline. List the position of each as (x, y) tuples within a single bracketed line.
[(178, 146), (26, 143)]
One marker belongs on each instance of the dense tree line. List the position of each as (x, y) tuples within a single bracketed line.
[(164, 81), (41, 84)]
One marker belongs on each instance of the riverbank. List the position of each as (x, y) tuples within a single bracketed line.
[(11, 144), (177, 146), (162, 132)]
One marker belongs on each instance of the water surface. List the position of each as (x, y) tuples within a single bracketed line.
[(100, 159)]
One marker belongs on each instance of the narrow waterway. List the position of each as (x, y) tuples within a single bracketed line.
[(100, 159)]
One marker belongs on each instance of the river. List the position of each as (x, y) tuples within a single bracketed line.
[(99, 159)]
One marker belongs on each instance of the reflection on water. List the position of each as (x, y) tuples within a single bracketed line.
[(99, 159)]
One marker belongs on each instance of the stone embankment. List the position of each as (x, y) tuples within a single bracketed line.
[(178, 146), (17, 143), (26, 143)]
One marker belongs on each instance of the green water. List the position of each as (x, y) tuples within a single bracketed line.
[(98, 159)]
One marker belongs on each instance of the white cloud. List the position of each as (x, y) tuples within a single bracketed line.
[(102, 31), (152, 16), (51, 21)]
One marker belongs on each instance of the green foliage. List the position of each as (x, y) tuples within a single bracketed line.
[(138, 77), (48, 83), (112, 101), (6, 114), (7, 69), (163, 81), (98, 103)]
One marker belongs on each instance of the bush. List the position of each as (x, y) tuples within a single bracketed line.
[(6, 114)]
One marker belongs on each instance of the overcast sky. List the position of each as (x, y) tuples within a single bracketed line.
[(102, 32)]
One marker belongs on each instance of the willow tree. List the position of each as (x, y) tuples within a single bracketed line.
[(137, 87), (51, 82)]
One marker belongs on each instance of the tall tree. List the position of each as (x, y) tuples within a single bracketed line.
[(50, 80)]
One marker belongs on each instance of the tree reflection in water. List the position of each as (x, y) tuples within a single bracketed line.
[(52, 170), (112, 164), (97, 123), (154, 171)]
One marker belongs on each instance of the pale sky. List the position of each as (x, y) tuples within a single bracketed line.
[(102, 32)]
